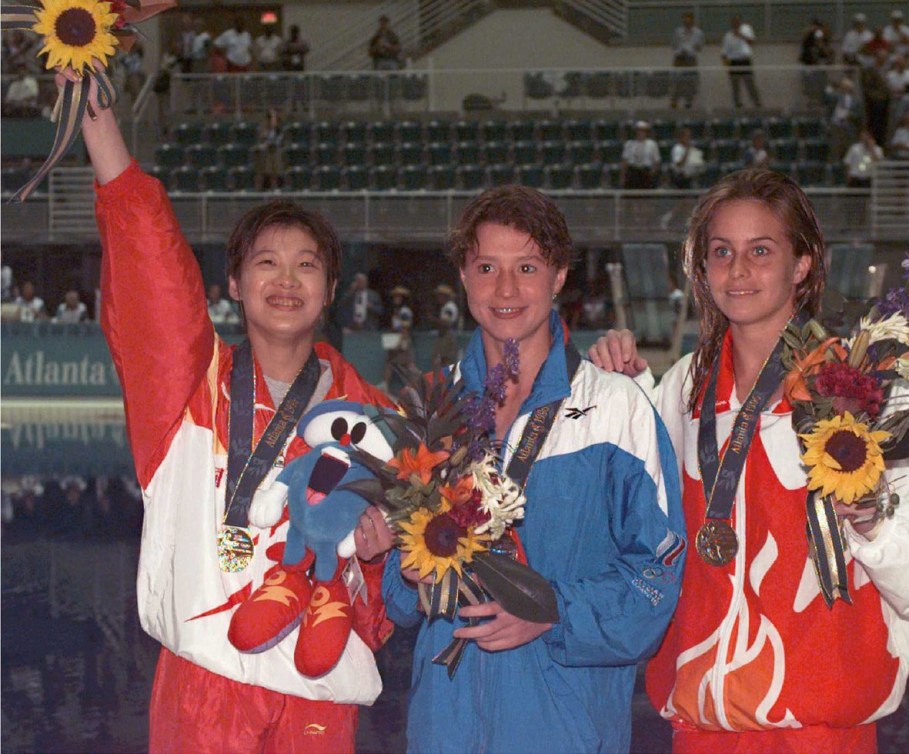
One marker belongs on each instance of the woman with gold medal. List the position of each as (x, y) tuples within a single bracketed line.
[(755, 660)]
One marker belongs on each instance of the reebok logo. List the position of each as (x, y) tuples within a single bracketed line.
[(314, 729)]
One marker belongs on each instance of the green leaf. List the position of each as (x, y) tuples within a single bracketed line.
[(516, 587)]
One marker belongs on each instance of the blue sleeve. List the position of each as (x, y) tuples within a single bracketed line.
[(400, 598), (619, 616)]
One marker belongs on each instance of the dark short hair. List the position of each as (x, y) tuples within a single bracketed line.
[(284, 213), (519, 207)]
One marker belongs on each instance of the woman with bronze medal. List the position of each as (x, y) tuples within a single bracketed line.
[(208, 424), (601, 523), (757, 659)]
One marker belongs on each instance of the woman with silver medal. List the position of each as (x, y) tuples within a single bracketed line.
[(755, 660)]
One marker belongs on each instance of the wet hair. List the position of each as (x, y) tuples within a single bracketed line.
[(792, 207), (284, 213), (519, 207)]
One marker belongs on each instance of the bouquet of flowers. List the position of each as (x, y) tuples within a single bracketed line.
[(451, 507), (850, 422)]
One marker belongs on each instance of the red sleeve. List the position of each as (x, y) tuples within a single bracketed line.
[(153, 311)]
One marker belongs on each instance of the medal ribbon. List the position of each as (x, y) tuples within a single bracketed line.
[(443, 597), (721, 477), (247, 468)]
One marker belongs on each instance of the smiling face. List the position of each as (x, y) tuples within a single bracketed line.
[(510, 288), (282, 285), (751, 268)]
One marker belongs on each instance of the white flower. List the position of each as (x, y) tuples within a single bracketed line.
[(902, 367), (501, 498), (893, 327)]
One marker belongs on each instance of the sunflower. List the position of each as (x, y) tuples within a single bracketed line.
[(75, 32), (436, 542), (844, 458)]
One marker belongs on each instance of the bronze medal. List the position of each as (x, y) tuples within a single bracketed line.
[(716, 542), (235, 549)]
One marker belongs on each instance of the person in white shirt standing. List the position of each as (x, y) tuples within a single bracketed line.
[(687, 161), (896, 34), (687, 41), (855, 39), (268, 50), (640, 159), (236, 43), (737, 54)]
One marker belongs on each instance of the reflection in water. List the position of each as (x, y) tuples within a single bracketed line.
[(76, 666)]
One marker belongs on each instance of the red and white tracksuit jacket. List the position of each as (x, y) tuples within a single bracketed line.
[(752, 646), (175, 374)]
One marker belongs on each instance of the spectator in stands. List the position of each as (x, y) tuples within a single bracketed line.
[(221, 310), (877, 44), (186, 45), (687, 41), (445, 349), (21, 99), (268, 49), (845, 117), (400, 366), (133, 65), (756, 153), (72, 310), (687, 161), (899, 142), (201, 46), (896, 34), (640, 159), (816, 50), (859, 159), (269, 164), (236, 43), (448, 313), (361, 307), (293, 54), (737, 54), (898, 77), (6, 284), (31, 307), (877, 96), (161, 88), (385, 47), (29, 516), (855, 39)]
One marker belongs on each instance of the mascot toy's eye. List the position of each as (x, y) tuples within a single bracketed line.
[(358, 432), (343, 424)]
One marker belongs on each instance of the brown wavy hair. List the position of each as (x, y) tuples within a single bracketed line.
[(282, 212), (519, 207), (792, 207)]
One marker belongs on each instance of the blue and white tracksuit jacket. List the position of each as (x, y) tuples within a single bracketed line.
[(604, 525)]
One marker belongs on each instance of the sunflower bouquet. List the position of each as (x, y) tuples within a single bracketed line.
[(850, 421), (451, 507)]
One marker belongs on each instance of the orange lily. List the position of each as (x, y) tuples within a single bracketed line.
[(794, 386), (421, 462), (459, 493)]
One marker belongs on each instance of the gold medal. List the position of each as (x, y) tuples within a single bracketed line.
[(235, 548), (716, 542)]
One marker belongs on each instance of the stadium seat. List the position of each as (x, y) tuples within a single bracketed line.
[(589, 176), (297, 178), (326, 178), (332, 88), (780, 128), (612, 176), (296, 154), (623, 83), (217, 133), (252, 89), (497, 153), (610, 151), (657, 84), (783, 166), (382, 131), (722, 128), (438, 130), (471, 177), (354, 132), (327, 131), (521, 130), (10, 183), (410, 153), (245, 133), (186, 178), (816, 150), (382, 153), (495, 130), (559, 177), (698, 128), (812, 173), (360, 87), (441, 177), (326, 153), (354, 154), (242, 178), (549, 130), (409, 130), (296, 132), (531, 175), (578, 130), (414, 86), (537, 87), (552, 152), (468, 152), (711, 174), (838, 174), (276, 92), (215, 179), (727, 150), (784, 150), (355, 177), (748, 124), (187, 134), (499, 175), (168, 156), (525, 152), (383, 178), (663, 130), (467, 130), (810, 128), (574, 85), (439, 152), (201, 156), (598, 85), (607, 130), (234, 155), (413, 178), (581, 151)]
